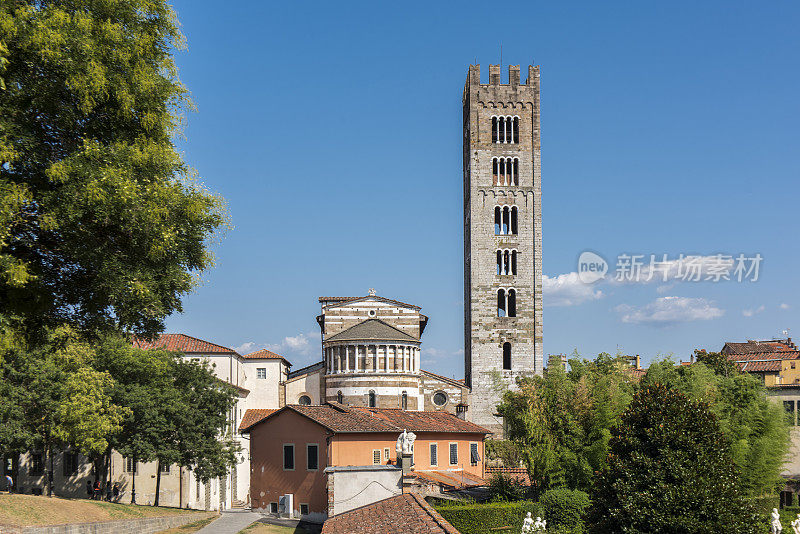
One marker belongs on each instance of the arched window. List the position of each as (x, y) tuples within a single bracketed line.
[(498, 220), (372, 401), (340, 398), (507, 355), (404, 401), (304, 400), (501, 302), (505, 129), (513, 222), (506, 262), (505, 171), (505, 220), (507, 302)]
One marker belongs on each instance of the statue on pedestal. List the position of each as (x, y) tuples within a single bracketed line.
[(405, 443), (775, 526), (540, 525), (796, 525)]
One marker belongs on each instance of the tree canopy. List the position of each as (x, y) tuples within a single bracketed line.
[(102, 224), (670, 471)]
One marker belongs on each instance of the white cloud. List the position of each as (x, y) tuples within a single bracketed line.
[(669, 310), (567, 290), (303, 344), (432, 355), (784, 306), (663, 289), (753, 311)]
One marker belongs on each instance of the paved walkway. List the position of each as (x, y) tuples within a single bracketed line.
[(230, 522)]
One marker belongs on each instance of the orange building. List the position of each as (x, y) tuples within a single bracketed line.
[(291, 448)]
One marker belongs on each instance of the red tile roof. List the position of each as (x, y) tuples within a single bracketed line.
[(265, 354), (457, 479), (520, 474), (454, 381), (182, 343), (402, 514), (761, 356), (340, 418), (253, 416)]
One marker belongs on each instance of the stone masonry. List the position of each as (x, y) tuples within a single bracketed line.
[(486, 332)]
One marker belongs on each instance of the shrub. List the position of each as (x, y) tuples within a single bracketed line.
[(505, 488), (481, 518), (564, 508)]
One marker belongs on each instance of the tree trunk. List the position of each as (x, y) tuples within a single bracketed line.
[(158, 482)]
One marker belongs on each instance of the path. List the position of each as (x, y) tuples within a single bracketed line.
[(230, 522)]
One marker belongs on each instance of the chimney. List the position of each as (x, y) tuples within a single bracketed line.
[(461, 411), (638, 362)]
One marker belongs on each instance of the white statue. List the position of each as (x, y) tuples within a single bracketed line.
[(405, 442), (527, 524), (776, 522), (796, 525), (540, 525)]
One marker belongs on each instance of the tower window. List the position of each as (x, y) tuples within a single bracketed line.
[(404, 401), (371, 400), (507, 356), (505, 129), (505, 171), (505, 220), (506, 262), (506, 302), (340, 397)]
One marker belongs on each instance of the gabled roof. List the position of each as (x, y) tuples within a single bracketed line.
[(182, 343), (265, 354), (454, 381), (761, 356), (336, 301), (401, 514), (372, 330), (307, 370), (339, 418), (253, 416)]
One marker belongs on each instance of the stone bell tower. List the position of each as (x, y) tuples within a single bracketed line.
[(502, 236)]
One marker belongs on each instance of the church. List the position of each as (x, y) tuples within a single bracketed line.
[(371, 345)]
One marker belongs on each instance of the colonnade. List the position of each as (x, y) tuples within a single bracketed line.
[(372, 358)]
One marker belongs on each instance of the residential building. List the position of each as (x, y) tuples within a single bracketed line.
[(293, 448), (776, 362)]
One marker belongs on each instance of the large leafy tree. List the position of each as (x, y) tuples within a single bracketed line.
[(755, 428), (102, 224), (561, 422), (670, 471)]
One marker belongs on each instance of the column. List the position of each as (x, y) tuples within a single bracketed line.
[(386, 358), (355, 359), (346, 359)]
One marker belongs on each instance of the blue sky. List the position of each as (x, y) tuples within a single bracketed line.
[(333, 130)]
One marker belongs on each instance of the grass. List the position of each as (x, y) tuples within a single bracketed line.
[(191, 527), (264, 528), (31, 510)]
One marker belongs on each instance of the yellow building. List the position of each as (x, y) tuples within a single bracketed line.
[(775, 361)]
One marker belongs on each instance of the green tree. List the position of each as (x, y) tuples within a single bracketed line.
[(561, 422), (670, 471), (102, 224), (754, 427)]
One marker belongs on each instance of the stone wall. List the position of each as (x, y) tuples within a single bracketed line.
[(485, 332), (354, 487), (147, 525)]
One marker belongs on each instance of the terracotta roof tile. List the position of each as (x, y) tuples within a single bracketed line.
[(452, 479), (759, 367), (339, 418), (182, 343), (372, 329), (403, 514), (265, 354), (759, 347), (253, 416)]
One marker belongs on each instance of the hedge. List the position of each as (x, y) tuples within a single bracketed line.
[(564, 509), (480, 518)]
